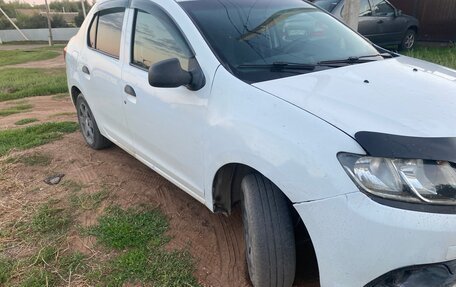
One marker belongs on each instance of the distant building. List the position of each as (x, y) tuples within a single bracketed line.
[(437, 18)]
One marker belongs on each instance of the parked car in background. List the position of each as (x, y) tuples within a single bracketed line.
[(379, 21)]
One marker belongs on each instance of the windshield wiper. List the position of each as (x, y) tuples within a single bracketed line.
[(355, 60), (280, 66)]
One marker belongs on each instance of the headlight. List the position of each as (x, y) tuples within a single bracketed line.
[(411, 180)]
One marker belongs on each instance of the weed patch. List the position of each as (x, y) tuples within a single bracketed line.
[(24, 138), (19, 83), (140, 234), (6, 267), (15, 109), (120, 228), (72, 186), (89, 201), (50, 219), (442, 56), (36, 159), (25, 121), (13, 57), (61, 96)]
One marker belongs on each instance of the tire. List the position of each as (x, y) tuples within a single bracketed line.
[(408, 42), (89, 127), (268, 232)]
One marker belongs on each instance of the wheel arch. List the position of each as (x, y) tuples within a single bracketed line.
[(226, 183), (226, 194), (414, 28), (74, 93)]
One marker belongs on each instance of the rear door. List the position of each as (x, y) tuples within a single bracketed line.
[(100, 65)]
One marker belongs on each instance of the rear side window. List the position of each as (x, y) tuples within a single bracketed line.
[(156, 38), (106, 30), (93, 31)]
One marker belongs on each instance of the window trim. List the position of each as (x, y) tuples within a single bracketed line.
[(97, 16), (147, 7), (374, 14)]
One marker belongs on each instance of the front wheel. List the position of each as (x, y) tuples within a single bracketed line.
[(89, 127), (409, 40), (268, 232)]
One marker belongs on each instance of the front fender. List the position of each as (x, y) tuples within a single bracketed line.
[(293, 148)]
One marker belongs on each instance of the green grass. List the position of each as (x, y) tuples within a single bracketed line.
[(72, 186), (63, 114), (36, 159), (445, 56), (120, 229), (38, 277), (25, 121), (12, 57), (140, 234), (6, 267), (15, 109), (50, 219), (28, 137), (19, 83), (61, 96), (165, 269), (89, 201)]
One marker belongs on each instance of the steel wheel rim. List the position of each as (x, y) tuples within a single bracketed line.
[(86, 123), (409, 41)]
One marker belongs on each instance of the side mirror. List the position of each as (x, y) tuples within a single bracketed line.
[(398, 13), (169, 74)]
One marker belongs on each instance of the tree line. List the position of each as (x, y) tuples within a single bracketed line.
[(36, 21)]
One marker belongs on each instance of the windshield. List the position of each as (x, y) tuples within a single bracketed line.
[(251, 36), (328, 5)]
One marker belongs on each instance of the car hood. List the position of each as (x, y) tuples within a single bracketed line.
[(400, 96)]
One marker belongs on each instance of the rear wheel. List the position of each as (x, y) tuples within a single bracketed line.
[(89, 127), (268, 232), (409, 40)]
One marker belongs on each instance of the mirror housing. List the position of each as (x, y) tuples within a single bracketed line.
[(169, 74), (398, 13)]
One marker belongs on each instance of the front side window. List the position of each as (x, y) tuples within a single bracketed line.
[(156, 38), (382, 8), (364, 8), (106, 30), (261, 40)]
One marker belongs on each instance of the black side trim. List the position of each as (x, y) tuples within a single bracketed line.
[(395, 146)]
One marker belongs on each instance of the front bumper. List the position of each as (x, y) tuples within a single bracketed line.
[(357, 240)]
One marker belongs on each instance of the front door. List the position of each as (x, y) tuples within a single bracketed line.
[(166, 124)]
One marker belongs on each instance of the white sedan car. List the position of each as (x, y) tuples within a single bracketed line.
[(278, 107)]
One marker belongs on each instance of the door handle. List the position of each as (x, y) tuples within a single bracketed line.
[(380, 21), (130, 91), (85, 70)]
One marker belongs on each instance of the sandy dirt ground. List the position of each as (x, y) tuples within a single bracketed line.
[(215, 241)]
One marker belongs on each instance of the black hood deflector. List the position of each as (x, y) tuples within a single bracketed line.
[(396, 146)]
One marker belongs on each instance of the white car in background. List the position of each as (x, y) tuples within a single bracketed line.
[(279, 107)]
